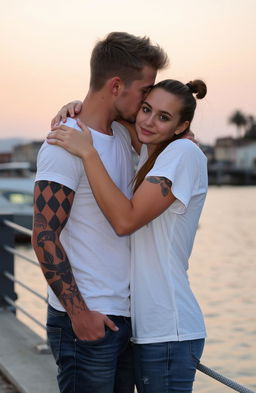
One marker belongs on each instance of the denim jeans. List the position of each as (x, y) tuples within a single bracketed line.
[(100, 366), (167, 367)]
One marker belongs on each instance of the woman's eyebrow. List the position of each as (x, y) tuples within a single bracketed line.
[(165, 112)]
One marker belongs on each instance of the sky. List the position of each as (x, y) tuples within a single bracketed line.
[(45, 50)]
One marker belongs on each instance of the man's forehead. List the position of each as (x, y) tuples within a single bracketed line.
[(147, 87), (148, 77), (149, 72)]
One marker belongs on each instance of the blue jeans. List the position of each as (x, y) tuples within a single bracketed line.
[(100, 366), (167, 367)]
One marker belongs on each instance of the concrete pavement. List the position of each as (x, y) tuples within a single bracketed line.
[(27, 369)]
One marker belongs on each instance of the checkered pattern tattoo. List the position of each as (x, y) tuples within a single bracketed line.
[(53, 201)]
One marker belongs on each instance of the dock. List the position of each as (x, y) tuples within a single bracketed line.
[(27, 368)]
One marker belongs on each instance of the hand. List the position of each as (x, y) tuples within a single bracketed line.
[(77, 143), (190, 135), (91, 325), (71, 109)]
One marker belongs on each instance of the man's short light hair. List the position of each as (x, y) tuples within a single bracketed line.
[(124, 55)]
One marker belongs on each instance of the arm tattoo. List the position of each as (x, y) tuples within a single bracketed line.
[(52, 205), (165, 184)]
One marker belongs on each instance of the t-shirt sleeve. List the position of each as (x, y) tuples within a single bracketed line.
[(178, 163), (56, 164)]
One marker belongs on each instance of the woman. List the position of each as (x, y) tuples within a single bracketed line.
[(162, 216)]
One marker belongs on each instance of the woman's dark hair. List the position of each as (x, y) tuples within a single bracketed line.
[(185, 92)]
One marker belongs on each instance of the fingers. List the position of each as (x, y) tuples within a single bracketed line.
[(55, 121), (61, 116), (57, 142), (64, 128), (82, 126), (78, 107), (111, 324), (58, 134), (58, 128), (71, 109), (191, 134)]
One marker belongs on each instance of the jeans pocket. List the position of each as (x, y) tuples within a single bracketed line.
[(54, 340), (196, 348)]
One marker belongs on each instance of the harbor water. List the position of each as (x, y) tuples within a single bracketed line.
[(223, 277)]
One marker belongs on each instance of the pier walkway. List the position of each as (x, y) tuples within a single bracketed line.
[(6, 387), (20, 361)]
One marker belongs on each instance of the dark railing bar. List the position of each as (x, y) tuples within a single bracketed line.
[(224, 380), (8, 300), (14, 252), (12, 278), (17, 227)]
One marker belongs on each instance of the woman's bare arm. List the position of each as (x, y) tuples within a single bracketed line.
[(152, 198), (73, 108)]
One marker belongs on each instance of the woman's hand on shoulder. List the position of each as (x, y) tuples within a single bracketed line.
[(69, 110), (70, 139), (190, 135)]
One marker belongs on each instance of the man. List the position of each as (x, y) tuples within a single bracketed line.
[(84, 262)]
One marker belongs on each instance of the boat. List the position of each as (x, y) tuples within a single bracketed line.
[(16, 192)]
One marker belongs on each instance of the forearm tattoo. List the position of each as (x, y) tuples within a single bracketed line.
[(165, 184), (52, 206)]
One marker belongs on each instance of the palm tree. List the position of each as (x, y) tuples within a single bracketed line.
[(238, 119), (251, 121), (251, 128)]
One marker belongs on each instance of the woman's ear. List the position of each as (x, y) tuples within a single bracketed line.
[(182, 127)]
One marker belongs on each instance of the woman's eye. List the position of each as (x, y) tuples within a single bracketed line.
[(164, 117), (145, 109)]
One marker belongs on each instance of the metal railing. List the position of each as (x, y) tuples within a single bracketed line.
[(8, 295)]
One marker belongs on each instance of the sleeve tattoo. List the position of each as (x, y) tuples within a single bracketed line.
[(52, 206), (165, 184)]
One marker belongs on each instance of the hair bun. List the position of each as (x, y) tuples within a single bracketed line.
[(197, 87)]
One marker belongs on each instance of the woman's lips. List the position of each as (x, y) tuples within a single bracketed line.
[(146, 132)]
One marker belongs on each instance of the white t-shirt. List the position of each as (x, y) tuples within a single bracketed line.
[(100, 259), (163, 305)]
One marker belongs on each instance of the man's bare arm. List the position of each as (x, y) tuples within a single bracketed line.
[(53, 202), (52, 206)]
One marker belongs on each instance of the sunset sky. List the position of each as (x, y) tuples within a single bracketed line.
[(45, 50)]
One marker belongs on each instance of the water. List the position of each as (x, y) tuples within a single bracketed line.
[(223, 277)]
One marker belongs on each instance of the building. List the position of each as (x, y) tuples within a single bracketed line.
[(5, 157), (225, 151), (208, 152), (27, 152), (246, 155), (6, 148)]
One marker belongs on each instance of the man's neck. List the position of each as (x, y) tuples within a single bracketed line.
[(97, 113)]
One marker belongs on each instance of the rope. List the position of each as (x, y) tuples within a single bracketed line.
[(221, 378)]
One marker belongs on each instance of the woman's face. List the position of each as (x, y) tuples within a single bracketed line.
[(159, 116)]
